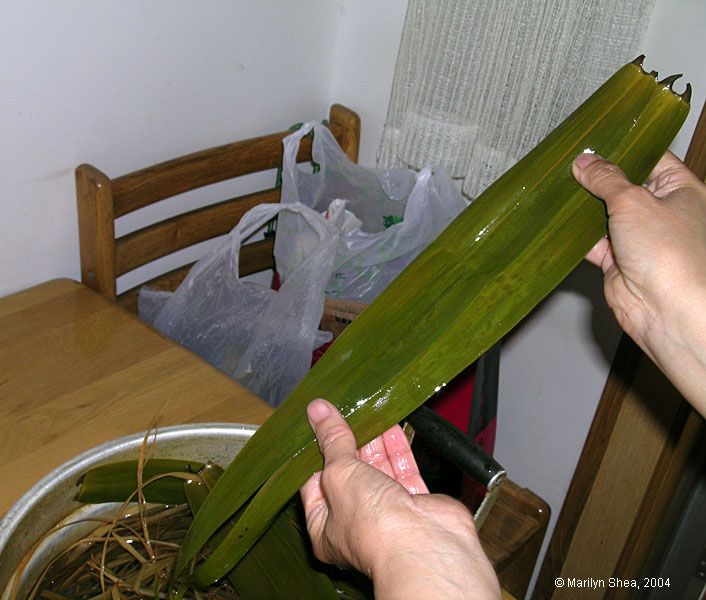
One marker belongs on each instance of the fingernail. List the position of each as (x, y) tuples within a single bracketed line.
[(585, 159), (317, 411)]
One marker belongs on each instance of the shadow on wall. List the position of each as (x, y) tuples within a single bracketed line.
[(587, 280), (599, 327)]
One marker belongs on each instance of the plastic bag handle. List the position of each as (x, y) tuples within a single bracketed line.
[(256, 218), (323, 138), (289, 156)]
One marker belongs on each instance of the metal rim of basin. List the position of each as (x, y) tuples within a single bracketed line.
[(50, 500)]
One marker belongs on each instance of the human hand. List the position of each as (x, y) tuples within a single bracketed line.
[(370, 509), (654, 263)]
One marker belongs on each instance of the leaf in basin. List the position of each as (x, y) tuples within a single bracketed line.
[(116, 482), (476, 281), (280, 564)]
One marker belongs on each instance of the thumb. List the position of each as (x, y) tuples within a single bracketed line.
[(603, 179), (335, 438)]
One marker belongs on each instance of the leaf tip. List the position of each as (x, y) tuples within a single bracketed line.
[(686, 95), (669, 81), (639, 60)]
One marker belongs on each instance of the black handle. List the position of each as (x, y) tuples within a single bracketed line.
[(455, 446)]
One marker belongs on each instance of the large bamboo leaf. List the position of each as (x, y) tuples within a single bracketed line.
[(280, 564), (483, 274)]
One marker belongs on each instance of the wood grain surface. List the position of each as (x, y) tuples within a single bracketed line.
[(76, 371)]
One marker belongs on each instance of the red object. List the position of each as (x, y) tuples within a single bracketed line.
[(454, 403), (319, 352)]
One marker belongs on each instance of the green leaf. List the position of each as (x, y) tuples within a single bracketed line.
[(482, 275), (116, 482), (280, 564)]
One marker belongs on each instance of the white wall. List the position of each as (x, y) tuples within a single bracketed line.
[(366, 54), (126, 83)]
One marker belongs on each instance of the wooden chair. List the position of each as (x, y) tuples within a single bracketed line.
[(514, 530), (101, 200)]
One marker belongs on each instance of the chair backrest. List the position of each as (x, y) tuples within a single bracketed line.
[(101, 200)]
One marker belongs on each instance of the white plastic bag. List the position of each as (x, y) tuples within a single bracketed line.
[(401, 211), (261, 337)]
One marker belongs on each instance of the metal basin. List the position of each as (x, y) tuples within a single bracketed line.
[(50, 501)]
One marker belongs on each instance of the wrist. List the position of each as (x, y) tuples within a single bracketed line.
[(420, 574), (434, 563), (677, 342)]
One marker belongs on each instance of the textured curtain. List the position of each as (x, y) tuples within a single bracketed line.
[(479, 82)]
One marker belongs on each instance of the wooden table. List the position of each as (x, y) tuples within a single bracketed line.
[(76, 371)]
